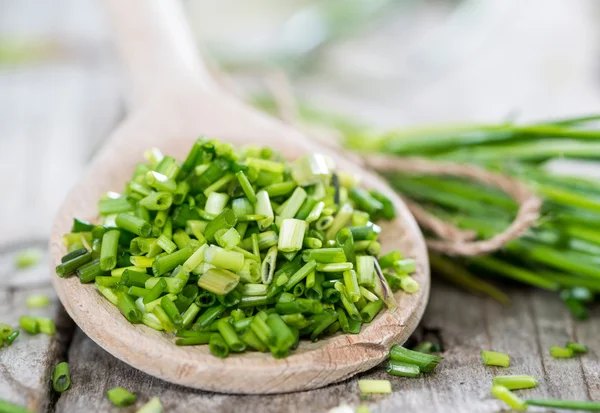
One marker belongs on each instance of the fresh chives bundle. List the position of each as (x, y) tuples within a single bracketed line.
[(240, 251)]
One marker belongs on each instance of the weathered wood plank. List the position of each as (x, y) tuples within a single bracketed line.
[(467, 325)]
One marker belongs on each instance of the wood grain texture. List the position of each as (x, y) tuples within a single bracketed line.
[(466, 325), (171, 122)]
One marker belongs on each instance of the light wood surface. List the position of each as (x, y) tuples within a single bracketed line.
[(177, 109), (54, 114)]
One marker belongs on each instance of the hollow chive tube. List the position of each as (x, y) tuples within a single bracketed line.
[(316, 291), (366, 232), (126, 305), (508, 397), (561, 352), (61, 378), (400, 369), (364, 200), (266, 240), (343, 320), (284, 338), (157, 201), (217, 346), (300, 274), (166, 244), (426, 362), (291, 235), (161, 218), (134, 224), (12, 337), (280, 188), (252, 341), (262, 330), (230, 336), (565, 404), (307, 206), (493, 358), (365, 270), (351, 284), (325, 255), (218, 281), (370, 310), (515, 382), (299, 305), (202, 337), (225, 220), (162, 265), (120, 397), (331, 296), (108, 253), (111, 206), (205, 299), (321, 322), (134, 278), (137, 291), (107, 281), (29, 324), (69, 267), (264, 207), (348, 304), (188, 317), (160, 182), (181, 192), (88, 272), (335, 267), (246, 186), (156, 291), (345, 240), (73, 254), (5, 331), (164, 319), (171, 310), (210, 315)]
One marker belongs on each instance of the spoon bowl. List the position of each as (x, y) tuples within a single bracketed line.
[(171, 117)]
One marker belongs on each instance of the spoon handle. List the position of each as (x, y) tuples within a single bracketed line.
[(156, 45)]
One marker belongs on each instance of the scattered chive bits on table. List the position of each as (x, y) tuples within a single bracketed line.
[(240, 250)]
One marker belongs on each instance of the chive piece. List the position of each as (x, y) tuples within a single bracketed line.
[(508, 397), (88, 272), (264, 207), (120, 397), (493, 358), (216, 202), (398, 368), (217, 346), (300, 274), (46, 326), (210, 315), (126, 305), (246, 186), (162, 265), (365, 201), (577, 348), (134, 224), (157, 201), (351, 284), (340, 220), (12, 337), (153, 406), (515, 382), (251, 340), (230, 336), (561, 352), (426, 362), (331, 296), (164, 319), (565, 404), (202, 337), (292, 205), (221, 258), (61, 378), (325, 255), (348, 304), (155, 291), (218, 281), (227, 238), (369, 311), (321, 322), (375, 386), (69, 267), (283, 337), (171, 310), (108, 253), (29, 324), (28, 258), (74, 254), (225, 220), (5, 331), (291, 235), (37, 301)]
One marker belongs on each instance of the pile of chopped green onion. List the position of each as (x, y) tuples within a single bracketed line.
[(240, 250)]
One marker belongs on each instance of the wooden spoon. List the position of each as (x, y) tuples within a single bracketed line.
[(175, 101)]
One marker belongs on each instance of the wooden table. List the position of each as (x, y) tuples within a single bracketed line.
[(53, 115)]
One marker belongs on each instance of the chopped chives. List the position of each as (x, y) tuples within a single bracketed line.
[(561, 352), (134, 224), (493, 358), (426, 362), (369, 311), (263, 207), (515, 382), (153, 406), (108, 253), (157, 201), (27, 258), (69, 267), (29, 324), (398, 368), (162, 265), (292, 205), (160, 182), (37, 301), (230, 336), (565, 404), (217, 346), (61, 378), (351, 284), (218, 281), (291, 235), (221, 258), (375, 386), (120, 397), (340, 220), (246, 186), (577, 348), (46, 326), (508, 397), (12, 337)]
